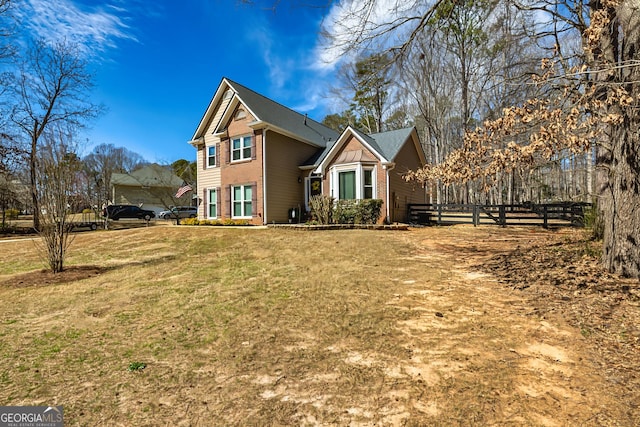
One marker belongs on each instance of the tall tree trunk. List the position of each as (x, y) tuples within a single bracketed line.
[(33, 179), (620, 195), (589, 175), (620, 202)]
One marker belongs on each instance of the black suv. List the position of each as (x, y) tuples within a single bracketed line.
[(116, 212)]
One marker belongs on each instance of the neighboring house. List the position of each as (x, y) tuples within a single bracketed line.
[(258, 159), (152, 187)]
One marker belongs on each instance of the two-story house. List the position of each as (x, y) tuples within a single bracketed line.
[(258, 159)]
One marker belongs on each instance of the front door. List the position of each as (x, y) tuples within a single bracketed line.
[(313, 187)]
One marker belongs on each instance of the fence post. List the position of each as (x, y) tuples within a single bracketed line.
[(439, 213), (544, 212), (502, 216), (476, 215)]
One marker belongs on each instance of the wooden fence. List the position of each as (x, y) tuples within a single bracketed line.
[(561, 214)]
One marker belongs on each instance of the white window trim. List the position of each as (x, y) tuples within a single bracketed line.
[(359, 168), (242, 148), (373, 181), (233, 201), (207, 156), (207, 207)]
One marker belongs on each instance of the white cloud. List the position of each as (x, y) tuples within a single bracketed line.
[(95, 28), (279, 69), (355, 25), (288, 67), (314, 101)]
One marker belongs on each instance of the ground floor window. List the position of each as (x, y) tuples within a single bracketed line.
[(212, 209), (367, 183), (241, 197), (351, 182), (347, 185)]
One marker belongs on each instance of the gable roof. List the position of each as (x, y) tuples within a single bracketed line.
[(319, 162), (271, 113), (391, 142), (371, 142), (385, 145)]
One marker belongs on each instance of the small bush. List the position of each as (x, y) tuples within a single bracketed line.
[(370, 210), (325, 210), (87, 211), (593, 221), (11, 213), (230, 221), (346, 212), (322, 207), (365, 211), (214, 222)]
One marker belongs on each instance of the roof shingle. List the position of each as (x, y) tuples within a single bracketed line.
[(285, 118)]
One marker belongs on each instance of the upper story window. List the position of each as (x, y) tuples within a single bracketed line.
[(241, 148), (211, 156)]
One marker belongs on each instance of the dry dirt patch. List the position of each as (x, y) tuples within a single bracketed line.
[(45, 277), (274, 327), (578, 325)]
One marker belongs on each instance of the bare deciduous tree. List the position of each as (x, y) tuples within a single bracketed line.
[(8, 148), (99, 165), (7, 29), (52, 89), (58, 167)]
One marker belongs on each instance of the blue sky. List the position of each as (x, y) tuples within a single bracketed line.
[(159, 63)]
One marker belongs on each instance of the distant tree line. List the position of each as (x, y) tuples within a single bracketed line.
[(467, 62)]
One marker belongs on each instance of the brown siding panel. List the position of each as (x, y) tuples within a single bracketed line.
[(284, 155), (405, 192)]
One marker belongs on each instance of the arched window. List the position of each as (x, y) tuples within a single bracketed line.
[(240, 114)]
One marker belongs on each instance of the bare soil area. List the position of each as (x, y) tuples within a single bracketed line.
[(432, 326), (575, 329)]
